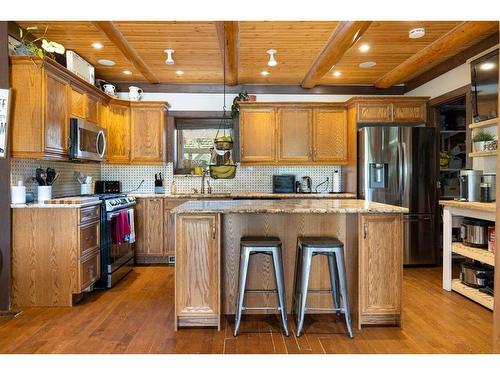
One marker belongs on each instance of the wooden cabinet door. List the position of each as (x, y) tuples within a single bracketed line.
[(56, 115), (415, 112), (258, 136), (295, 135), (147, 135), (380, 268), (93, 110), (149, 227), (374, 112), (330, 135), (118, 130), (197, 271), (78, 103)]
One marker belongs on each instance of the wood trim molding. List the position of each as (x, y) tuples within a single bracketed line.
[(342, 39), (227, 34), (463, 33), (116, 37), (261, 89), (452, 62)]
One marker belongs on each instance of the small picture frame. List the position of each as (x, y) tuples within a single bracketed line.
[(4, 121)]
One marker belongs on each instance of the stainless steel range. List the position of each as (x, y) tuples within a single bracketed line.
[(117, 238)]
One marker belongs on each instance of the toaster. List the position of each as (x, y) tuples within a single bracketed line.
[(107, 187)]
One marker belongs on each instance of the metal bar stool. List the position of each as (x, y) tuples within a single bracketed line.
[(307, 247), (260, 245)]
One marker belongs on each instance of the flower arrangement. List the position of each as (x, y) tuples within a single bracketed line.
[(31, 48)]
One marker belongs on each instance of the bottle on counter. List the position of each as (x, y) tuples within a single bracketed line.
[(173, 188)]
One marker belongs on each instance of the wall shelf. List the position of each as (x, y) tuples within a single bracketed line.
[(472, 293), (481, 255), (485, 123), (482, 154)]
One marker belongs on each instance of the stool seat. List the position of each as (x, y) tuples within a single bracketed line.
[(260, 241), (320, 242)]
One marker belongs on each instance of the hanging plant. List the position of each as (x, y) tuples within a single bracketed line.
[(241, 97)]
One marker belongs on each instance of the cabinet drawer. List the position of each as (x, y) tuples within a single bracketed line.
[(88, 214), (89, 238), (374, 112), (90, 269)]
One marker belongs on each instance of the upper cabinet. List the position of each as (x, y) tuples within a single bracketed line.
[(390, 110), (148, 132), (118, 132), (45, 96), (258, 135), (305, 134), (136, 132), (293, 121), (330, 135)]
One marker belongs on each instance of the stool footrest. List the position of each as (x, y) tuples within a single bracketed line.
[(262, 308), (319, 291), (324, 309), (261, 291)]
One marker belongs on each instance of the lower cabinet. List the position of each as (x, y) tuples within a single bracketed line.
[(149, 230), (197, 271), (67, 257), (380, 268)]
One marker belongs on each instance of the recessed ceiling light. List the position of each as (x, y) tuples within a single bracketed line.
[(364, 47), (127, 72), (416, 33), (264, 73), (97, 45), (367, 64), (106, 62), (272, 61), (486, 66), (337, 73), (170, 59), (179, 72)]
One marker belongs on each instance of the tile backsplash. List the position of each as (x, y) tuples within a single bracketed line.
[(248, 179), (66, 184)]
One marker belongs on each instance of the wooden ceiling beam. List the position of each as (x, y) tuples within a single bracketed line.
[(453, 40), (227, 35), (116, 37), (346, 33)]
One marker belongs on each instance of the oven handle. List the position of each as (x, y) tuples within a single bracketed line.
[(99, 135)]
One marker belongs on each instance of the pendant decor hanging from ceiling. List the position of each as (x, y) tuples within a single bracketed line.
[(222, 164)]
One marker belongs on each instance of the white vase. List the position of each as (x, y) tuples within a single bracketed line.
[(44, 193), (479, 146)]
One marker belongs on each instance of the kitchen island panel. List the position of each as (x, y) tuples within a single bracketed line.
[(287, 227)]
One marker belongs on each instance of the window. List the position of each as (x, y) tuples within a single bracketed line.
[(195, 139)]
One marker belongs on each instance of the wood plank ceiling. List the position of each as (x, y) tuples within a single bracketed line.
[(198, 46)]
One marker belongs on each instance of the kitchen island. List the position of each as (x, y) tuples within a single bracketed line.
[(207, 255)]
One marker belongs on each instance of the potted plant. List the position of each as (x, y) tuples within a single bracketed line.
[(479, 140), (241, 97), (39, 47)]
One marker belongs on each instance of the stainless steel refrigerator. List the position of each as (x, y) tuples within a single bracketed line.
[(397, 165)]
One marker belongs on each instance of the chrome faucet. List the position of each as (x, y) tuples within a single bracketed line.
[(203, 176)]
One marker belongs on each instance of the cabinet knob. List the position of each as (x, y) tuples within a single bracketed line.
[(214, 231)]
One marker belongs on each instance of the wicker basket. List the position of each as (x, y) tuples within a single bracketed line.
[(222, 171)]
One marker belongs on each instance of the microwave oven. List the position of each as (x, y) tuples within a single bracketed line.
[(88, 141)]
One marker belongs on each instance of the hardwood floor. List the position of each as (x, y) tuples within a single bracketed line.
[(137, 317)]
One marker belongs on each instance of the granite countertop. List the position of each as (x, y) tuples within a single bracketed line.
[(487, 207), (247, 195), (302, 206), (68, 202)]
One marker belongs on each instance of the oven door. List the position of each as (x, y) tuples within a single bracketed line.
[(88, 141), (117, 254)]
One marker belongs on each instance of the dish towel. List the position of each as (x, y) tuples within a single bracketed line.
[(121, 228), (132, 226)]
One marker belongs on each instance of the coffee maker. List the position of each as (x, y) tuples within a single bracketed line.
[(470, 180)]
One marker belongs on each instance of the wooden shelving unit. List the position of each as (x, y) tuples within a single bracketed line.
[(472, 293), (482, 154), (481, 255), (484, 123)]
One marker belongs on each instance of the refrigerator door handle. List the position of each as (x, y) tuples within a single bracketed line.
[(400, 170)]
